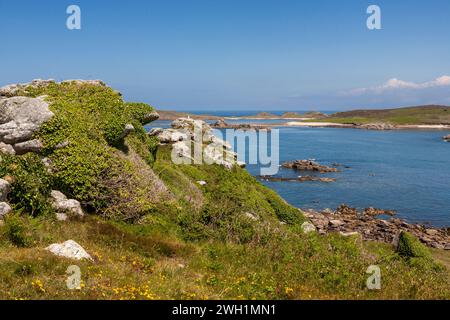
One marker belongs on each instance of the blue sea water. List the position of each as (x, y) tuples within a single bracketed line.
[(406, 171)]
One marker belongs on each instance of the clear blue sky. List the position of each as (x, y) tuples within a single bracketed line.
[(246, 54)]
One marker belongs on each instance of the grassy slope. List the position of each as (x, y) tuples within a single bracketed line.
[(161, 235), (402, 116)]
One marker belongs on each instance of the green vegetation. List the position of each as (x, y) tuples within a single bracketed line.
[(155, 233), (425, 115)]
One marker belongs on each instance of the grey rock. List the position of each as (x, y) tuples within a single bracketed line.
[(7, 149), (69, 249), (5, 189), (21, 117), (4, 209), (28, 146), (172, 136), (62, 145), (155, 131), (336, 223), (63, 205), (308, 227), (129, 128), (149, 117)]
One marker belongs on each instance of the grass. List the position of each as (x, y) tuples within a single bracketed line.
[(424, 115)]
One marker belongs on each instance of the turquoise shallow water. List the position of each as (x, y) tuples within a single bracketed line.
[(407, 171)]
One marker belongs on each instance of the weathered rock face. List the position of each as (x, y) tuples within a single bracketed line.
[(187, 135), (348, 221), (69, 249), (308, 165), (63, 205), (150, 117), (20, 118)]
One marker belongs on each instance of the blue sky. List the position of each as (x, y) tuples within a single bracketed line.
[(229, 54)]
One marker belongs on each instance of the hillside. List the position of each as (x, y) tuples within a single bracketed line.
[(89, 172), (426, 115)]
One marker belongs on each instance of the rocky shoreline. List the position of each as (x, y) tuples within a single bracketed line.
[(221, 124), (366, 224)]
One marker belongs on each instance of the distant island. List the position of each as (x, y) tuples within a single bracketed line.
[(418, 117)]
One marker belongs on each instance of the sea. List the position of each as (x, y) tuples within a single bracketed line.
[(403, 170)]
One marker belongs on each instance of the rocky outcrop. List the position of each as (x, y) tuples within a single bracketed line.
[(298, 179), (64, 206), (69, 249), (20, 119), (349, 221), (186, 134), (150, 117), (308, 165), (221, 124)]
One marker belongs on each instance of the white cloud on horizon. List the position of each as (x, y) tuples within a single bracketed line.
[(397, 84)]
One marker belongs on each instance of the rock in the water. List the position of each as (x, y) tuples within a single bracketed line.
[(308, 165), (5, 189), (4, 209), (308, 227), (28, 146), (69, 249), (447, 138), (63, 205), (21, 117)]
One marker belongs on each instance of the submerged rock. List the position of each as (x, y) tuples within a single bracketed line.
[(447, 138), (69, 249)]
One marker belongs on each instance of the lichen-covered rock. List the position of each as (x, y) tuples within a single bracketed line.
[(63, 205), (5, 189), (69, 249), (4, 209)]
